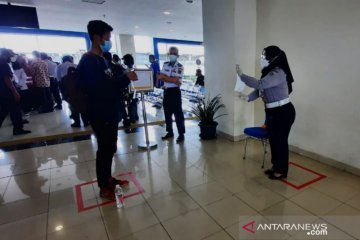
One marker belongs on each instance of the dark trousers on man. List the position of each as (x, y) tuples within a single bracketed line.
[(9, 105), (279, 121), (55, 91), (25, 101), (45, 99), (106, 134), (173, 106)]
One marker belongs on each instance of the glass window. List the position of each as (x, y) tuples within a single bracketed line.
[(188, 55), (143, 48), (54, 46)]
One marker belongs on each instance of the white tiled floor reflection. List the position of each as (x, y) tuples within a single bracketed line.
[(195, 190)]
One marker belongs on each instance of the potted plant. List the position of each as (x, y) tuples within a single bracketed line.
[(205, 111)]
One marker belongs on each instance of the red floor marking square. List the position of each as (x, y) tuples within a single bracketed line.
[(298, 187), (79, 196)]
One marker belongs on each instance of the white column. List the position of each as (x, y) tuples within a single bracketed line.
[(127, 44), (230, 38)]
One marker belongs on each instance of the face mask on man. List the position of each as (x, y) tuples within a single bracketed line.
[(173, 58), (106, 46)]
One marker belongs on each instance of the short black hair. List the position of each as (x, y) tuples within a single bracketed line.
[(116, 58), (107, 56), (36, 54), (128, 60), (98, 27), (67, 58), (43, 56)]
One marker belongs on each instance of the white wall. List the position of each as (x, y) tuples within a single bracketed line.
[(229, 38), (127, 44), (322, 41)]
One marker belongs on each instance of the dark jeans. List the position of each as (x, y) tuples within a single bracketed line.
[(280, 120), (25, 101), (9, 105), (45, 99), (55, 90), (106, 135), (173, 106)]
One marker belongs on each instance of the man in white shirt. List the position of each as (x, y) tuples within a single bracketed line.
[(172, 74), (54, 83), (62, 69)]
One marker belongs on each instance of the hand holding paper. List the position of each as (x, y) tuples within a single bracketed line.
[(240, 85)]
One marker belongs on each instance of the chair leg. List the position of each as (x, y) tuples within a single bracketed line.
[(264, 145), (245, 148)]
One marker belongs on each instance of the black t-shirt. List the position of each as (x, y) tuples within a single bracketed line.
[(103, 87), (5, 71)]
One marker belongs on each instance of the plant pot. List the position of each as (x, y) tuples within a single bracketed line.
[(208, 131)]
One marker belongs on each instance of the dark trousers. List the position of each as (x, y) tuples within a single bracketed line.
[(9, 105), (76, 116), (45, 99), (280, 120), (25, 101), (55, 90), (106, 135), (173, 106)]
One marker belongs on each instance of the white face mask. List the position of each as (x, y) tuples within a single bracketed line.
[(13, 59), (173, 58), (264, 63)]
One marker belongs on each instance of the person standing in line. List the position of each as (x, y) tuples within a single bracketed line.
[(9, 96), (62, 69), (41, 81), (172, 74), (104, 99), (274, 87), (117, 59), (24, 91), (155, 67), (54, 82)]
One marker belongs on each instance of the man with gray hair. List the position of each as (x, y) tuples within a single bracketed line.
[(172, 74)]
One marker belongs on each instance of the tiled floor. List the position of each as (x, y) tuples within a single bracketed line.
[(196, 190), (58, 122)]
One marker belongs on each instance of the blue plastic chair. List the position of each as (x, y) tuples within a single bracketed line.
[(257, 133)]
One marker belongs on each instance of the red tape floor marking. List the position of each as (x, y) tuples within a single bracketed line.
[(79, 197), (320, 177)]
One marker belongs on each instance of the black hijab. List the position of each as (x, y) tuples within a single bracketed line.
[(277, 59)]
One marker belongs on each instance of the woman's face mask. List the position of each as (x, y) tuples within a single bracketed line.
[(106, 46), (263, 62)]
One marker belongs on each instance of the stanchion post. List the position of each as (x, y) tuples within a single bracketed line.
[(147, 145)]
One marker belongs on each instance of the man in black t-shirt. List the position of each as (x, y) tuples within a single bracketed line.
[(9, 97), (104, 90)]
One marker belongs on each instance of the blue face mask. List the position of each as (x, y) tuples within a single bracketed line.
[(106, 46)]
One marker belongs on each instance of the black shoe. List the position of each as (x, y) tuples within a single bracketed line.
[(180, 139), (269, 171), (273, 177), (76, 125), (58, 107), (167, 136), (21, 132), (24, 121), (86, 124)]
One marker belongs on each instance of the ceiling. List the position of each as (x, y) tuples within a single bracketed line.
[(138, 17)]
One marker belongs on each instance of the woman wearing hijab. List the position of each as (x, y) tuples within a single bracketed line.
[(274, 87)]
